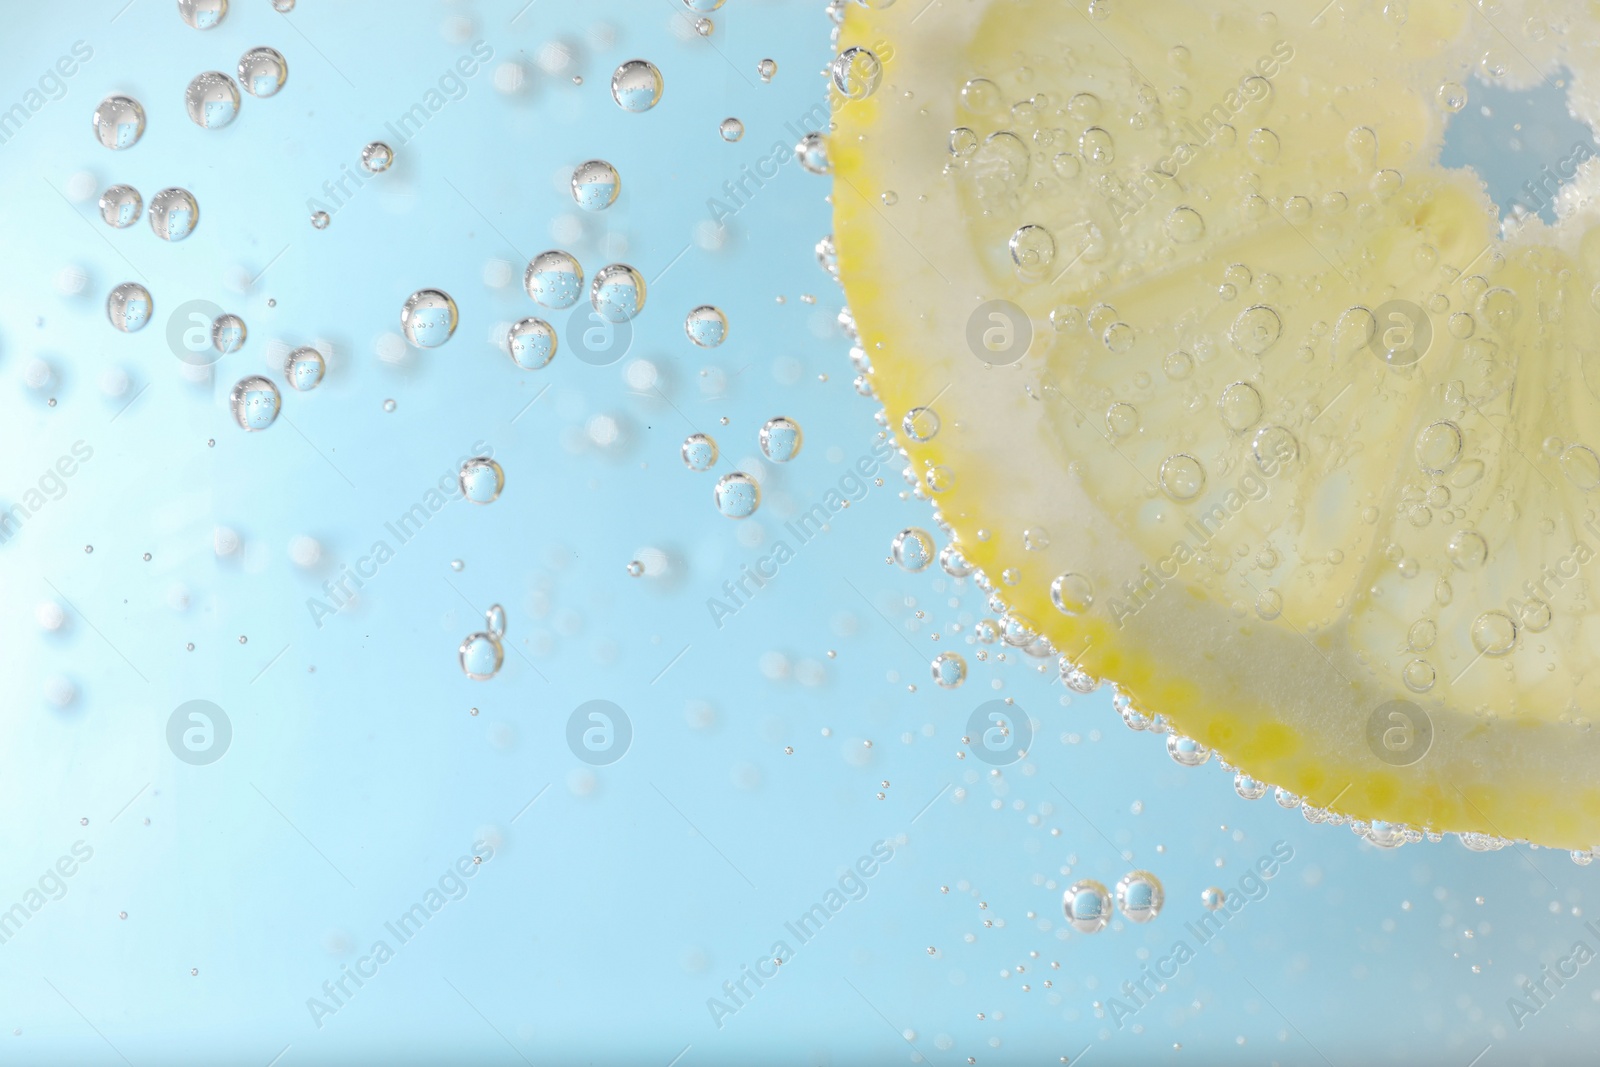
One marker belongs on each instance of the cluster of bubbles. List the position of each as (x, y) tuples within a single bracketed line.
[(1087, 903), (737, 494)]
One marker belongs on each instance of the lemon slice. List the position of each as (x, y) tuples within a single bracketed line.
[(1236, 396)]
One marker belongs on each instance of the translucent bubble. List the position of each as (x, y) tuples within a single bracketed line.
[(228, 333), (963, 142), (320, 220), (1418, 675), (766, 69), (1140, 896), (812, 152), (953, 562), (856, 73), (921, 424), (1256, 329), (1240, 405), (1087, 906), (262, 71), (703, 6), (531, 342), (1274, 447), (129, 307), (283, 7), (706, 326), (737, 495), (781, 439), (699, 452), (636, 86), (1248, 788), (1033, 248), (119, 122), (303, 369), (481, 480), (254, 402), (554, 279), (1452, 96), (1494, 633), (912, 549), (1263, 146), (174, 213), (731, 129), (428, 318), (494, 620), (949, 670), (212, 100), (377, 157), (202, 14), (1438, 446), (595, 185), (1213, 898), (617, 292), (1072, 594), (1097, 147), (1186, 751), (1182, 477), (1582, 467), (1467, 549), (1185, 225), (481, 656), (121, 206)]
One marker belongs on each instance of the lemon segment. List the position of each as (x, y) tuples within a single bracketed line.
[(1243, 401)]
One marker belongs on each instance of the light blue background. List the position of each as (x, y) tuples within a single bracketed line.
[(623, 898)]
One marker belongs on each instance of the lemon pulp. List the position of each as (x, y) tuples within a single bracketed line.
[(1238, 397)]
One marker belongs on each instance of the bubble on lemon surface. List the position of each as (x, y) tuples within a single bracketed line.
[(174, 213), (781, 439), (1033, 248), (737, 495), (636, 85), (856, 73), (1249, 788), (812, 152), (481, 480), (921, 424), (119, 122), (202, 14), (228, 333), (1087, 906), (263, 71), (120, 206), (1186, 751), (949, 670), (377, 157), (554, 279), (212, 100), (1072, 594), (303, 369), (595, 185), (1185, 225), (699, 452), (1140, 896), (1240, 406), (731, 129), (481, 656), (129, 307), (254, 402), (1494, 633), (912, 548), (617, 292), (531, 342), (1182, 477), (428, 318), (706, 326)]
